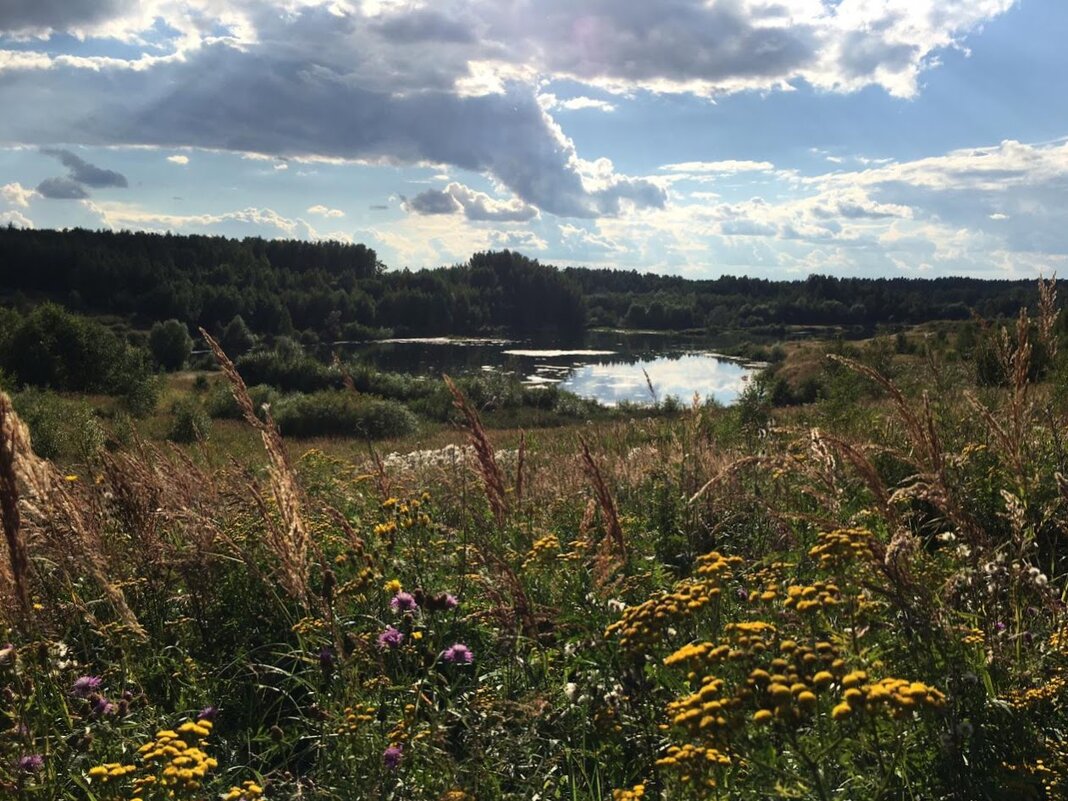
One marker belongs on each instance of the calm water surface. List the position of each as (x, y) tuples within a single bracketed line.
[(608, 367)]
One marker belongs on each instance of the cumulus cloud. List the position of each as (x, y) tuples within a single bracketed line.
[(474, 205), (61, 189), (456, 84), (325, 211), (16, 194), (178, 159)]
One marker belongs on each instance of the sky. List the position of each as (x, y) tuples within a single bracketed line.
[(771, 138)]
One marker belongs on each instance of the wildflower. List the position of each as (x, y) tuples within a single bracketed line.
[(71, 477), (84, 686), (571, 691), (393, 586), (403, 602), (208, 713), (390, 638), (450, 601), (102, 707), (31, 763), (458, 653), (392, 756), (843, 710), (326, 658)]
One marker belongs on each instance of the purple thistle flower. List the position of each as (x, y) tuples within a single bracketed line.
[(392, 756), (390, 638), (450, 601), (103, 707), (403, 602), (458, 653), (326, 658), (31, 763), (208, 713), (84, 686)]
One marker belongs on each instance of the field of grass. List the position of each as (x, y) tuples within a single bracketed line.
[(859, 598)]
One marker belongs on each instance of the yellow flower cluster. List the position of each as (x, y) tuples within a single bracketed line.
[(246, 792), (1051, 689), (543, 549), (973, 637), (641, 626), (693, 762), (110, 770), (183, 766), (633, 794), (358, 583), (818, 595), (835, 549), (355, 716), (455, 795), (893, 697), (309, 625), (782, 683), (405, 514)]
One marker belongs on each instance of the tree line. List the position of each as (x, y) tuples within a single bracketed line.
[(328, 291)]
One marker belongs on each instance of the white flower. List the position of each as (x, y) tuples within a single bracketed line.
[(571, 691)]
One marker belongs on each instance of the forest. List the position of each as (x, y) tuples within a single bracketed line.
[(336, 291)]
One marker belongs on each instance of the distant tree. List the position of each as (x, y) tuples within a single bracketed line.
[(170, 344), (237, 339)]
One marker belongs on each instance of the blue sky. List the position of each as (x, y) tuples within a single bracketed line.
[(765, 137)]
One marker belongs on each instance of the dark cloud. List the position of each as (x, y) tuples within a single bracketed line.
[(378, 207), (85, 173), (433, 201), (302, 108), (425, 25), (62, 189), (674, 40), (35, 15)]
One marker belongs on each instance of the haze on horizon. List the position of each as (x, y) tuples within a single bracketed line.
[(773, 138)]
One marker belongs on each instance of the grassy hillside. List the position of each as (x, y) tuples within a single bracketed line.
[(855, 596)]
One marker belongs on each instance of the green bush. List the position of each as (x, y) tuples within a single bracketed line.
[(220, 403), (52, 348), (189, 422), (287, 367), (170, 344), (45, 413), (342, 413)]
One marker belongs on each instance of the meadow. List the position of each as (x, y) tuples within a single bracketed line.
[(850, 585)]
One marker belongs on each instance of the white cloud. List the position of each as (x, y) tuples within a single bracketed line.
[(456, 85), (325, 211), (550, 102), (16, 218), (178, 159), (16, 194), (729, 166)]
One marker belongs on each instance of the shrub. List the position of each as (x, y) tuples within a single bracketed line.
[(52, 348), (287, 367), (189, 423), (170, 344), (45, 414), (236, 338), (342, 413), (220, 403)]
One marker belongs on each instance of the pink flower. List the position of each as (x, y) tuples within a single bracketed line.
[(458, 654)]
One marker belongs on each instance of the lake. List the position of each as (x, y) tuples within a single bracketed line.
[(609, 367)]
